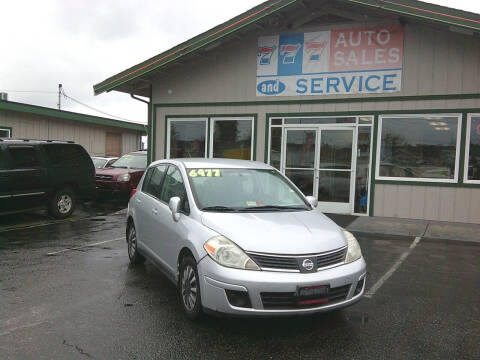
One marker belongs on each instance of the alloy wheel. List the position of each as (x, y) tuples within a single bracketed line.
[(189, 288), (64, 204)]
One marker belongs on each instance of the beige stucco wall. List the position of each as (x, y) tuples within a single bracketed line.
[(428, 202), (90, 136)]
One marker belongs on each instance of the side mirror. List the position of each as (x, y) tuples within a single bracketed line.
[(174, 204), (312, 201)]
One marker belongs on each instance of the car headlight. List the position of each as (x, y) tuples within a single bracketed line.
[(124, 177), (353, 252), (226, 253)]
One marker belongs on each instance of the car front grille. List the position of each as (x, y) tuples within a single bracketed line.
[(290, 263), (103, 177), (289, 300)]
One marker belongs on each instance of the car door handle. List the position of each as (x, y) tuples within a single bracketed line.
[(138, 201), (154, 211)]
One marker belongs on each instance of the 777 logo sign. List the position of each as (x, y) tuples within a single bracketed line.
[(264, 54)]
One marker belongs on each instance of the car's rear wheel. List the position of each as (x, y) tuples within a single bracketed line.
[(189, 288), (133, 254), (62, 203)]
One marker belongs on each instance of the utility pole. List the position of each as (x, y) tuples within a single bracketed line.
[(59, 96)]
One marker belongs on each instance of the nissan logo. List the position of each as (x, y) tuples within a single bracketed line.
[(307, 264)]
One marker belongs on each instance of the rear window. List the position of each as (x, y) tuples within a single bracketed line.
[(65, 154)]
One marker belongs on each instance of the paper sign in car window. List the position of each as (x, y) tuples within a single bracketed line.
[(204, 173)]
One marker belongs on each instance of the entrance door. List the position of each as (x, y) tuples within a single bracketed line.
[(320, 161)]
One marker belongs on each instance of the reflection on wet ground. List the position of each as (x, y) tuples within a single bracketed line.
[(90, 303)]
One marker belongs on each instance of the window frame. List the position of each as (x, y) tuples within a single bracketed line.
[(467, 149), (6, 128), (418, 179), (184, 119), (231, 118)]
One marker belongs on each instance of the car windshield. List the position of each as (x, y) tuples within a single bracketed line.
[(131, 161), (98, 163), (244, 190)]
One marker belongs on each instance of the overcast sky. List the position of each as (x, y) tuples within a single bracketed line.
[(81, 42)]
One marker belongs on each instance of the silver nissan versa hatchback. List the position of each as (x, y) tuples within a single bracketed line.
[(237, 237)]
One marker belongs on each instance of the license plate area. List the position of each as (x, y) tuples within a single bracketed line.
[(311, 295)]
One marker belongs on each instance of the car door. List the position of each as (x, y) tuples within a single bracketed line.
[(146, 201), (171, 233), (27, 177)]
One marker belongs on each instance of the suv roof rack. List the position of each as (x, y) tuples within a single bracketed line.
[(38, 140)]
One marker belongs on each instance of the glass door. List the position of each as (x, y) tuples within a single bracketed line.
[(320, 161), (300, 158), (334, 174)]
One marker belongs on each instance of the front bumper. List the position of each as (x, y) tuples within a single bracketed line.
[(215, 279), (113, 186)]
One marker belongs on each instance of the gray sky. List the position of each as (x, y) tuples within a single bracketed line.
[(81, 42)]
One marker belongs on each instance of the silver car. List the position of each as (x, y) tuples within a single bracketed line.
[(237, 237)]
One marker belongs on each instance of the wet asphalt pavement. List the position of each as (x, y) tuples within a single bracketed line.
[(90, 304)]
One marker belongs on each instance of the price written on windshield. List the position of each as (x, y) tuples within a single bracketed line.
[(204, 173)]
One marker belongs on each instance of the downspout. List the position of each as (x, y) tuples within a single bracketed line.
[(149, 122)]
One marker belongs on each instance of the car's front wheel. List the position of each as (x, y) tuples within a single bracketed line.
[(189, 288), (133, 254)]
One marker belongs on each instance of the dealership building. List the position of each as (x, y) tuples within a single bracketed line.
[(371, 106)]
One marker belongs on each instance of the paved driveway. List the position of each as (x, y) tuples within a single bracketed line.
[(84, 301)]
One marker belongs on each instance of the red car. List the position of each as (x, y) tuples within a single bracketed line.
[(123, 175)]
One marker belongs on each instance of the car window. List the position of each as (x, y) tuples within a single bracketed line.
[(173, 186), (153, 180), (65, 154), (23, 157)]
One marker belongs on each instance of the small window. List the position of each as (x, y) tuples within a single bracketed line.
[(153, 180), (174, 186), (5, 133), (23, 157)]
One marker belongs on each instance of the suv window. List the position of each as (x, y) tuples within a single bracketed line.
[(23, 157), (173, 186), (65, 154), (153, 180)]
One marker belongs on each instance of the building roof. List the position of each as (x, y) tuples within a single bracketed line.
[(68, 115), (406, 8)]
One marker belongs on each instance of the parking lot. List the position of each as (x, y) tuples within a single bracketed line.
[(67, 292)]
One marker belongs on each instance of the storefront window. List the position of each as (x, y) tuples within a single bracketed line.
[(187, 138), (418, 147), (473, 150), (362, 176), (232, 138), (275, 147)]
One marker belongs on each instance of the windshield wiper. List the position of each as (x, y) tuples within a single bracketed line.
[(272, 207), (218, 208)]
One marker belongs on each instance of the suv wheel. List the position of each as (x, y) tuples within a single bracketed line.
[(133, 254), (62, 204), (189, 288)]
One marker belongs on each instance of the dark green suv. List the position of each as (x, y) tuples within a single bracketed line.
[(44, 174)]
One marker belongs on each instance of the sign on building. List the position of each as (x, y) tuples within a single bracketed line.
[(351, 61)]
